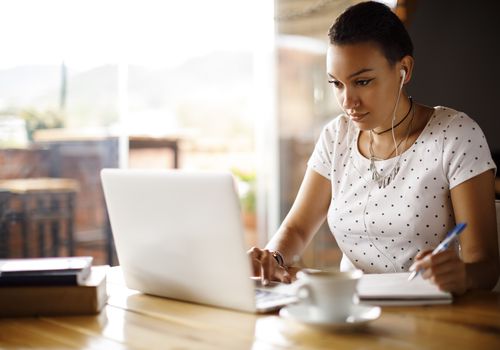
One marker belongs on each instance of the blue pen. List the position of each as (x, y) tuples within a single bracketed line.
[(443, 245)]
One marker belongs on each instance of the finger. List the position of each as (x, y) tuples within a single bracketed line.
[(443, 261), (430, 268), (443, 257), (446, 265), (282, 275), (430, 261), (440, 272), (286, 278), (417, 265), (422, 264), (453, 273), (292, 272), (423, 254), (255, 267), (255, 254), (267, 267), (448, 283), (445, 279)]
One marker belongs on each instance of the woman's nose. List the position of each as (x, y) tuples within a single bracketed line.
[(349, 100)]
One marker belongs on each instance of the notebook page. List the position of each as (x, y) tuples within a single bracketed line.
[(393, 286)]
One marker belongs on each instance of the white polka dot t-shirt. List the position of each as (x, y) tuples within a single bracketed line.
[(382, 229)]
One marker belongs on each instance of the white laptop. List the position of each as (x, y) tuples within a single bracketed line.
[(179, 235)]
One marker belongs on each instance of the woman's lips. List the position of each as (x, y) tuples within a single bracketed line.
[(356, 117)]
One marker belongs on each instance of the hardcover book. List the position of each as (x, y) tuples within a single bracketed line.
[(45, 271), (87, 298)]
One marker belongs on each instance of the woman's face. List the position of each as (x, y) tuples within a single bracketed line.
[(365, 84)]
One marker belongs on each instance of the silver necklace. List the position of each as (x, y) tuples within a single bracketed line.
[(384, 180), (390, 154)]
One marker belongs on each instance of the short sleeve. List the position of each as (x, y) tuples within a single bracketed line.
[(465, 152), (321, 158)]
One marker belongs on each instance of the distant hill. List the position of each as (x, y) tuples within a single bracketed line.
[(218, 78), (21, 85)]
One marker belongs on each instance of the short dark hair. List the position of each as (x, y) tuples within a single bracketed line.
[(375, 22)]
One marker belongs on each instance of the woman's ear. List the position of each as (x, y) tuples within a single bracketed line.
[(407, 63)]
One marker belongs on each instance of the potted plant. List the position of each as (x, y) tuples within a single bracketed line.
[(247, 187)]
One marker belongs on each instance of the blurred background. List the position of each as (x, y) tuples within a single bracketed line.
[(232, 85)]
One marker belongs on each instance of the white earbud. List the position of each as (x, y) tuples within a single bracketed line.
[(403, 76)]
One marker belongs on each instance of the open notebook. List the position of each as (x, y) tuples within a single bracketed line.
[(395, 289)]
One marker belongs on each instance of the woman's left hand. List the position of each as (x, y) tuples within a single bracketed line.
[(445, 269)]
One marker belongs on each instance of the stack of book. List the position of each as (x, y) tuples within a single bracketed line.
[(51, 286)]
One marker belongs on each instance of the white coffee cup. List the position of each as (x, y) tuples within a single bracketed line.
[(330, 294)]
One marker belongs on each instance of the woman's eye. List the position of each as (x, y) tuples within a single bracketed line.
[(363, 82), (335, 83)]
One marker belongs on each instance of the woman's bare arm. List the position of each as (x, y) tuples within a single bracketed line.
[(474, 203), (308, 212)]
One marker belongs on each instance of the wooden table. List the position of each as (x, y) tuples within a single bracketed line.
[(135, 321)]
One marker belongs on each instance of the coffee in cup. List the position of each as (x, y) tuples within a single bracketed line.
[(330, 294)]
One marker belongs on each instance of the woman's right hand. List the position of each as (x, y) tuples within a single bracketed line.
[(265, 266)]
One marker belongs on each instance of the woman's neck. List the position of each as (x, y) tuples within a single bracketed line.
[(402, 115), (405, 115)]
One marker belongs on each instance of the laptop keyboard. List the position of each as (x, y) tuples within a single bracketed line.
[(269, 300), (267, 296)]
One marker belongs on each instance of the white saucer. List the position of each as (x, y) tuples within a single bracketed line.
[(361, 314)]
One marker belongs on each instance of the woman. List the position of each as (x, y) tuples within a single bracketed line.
[(391, 175)]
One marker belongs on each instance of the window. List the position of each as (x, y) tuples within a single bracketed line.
[(90, 83)]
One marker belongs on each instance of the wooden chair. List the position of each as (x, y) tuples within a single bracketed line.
[(36, 202)]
